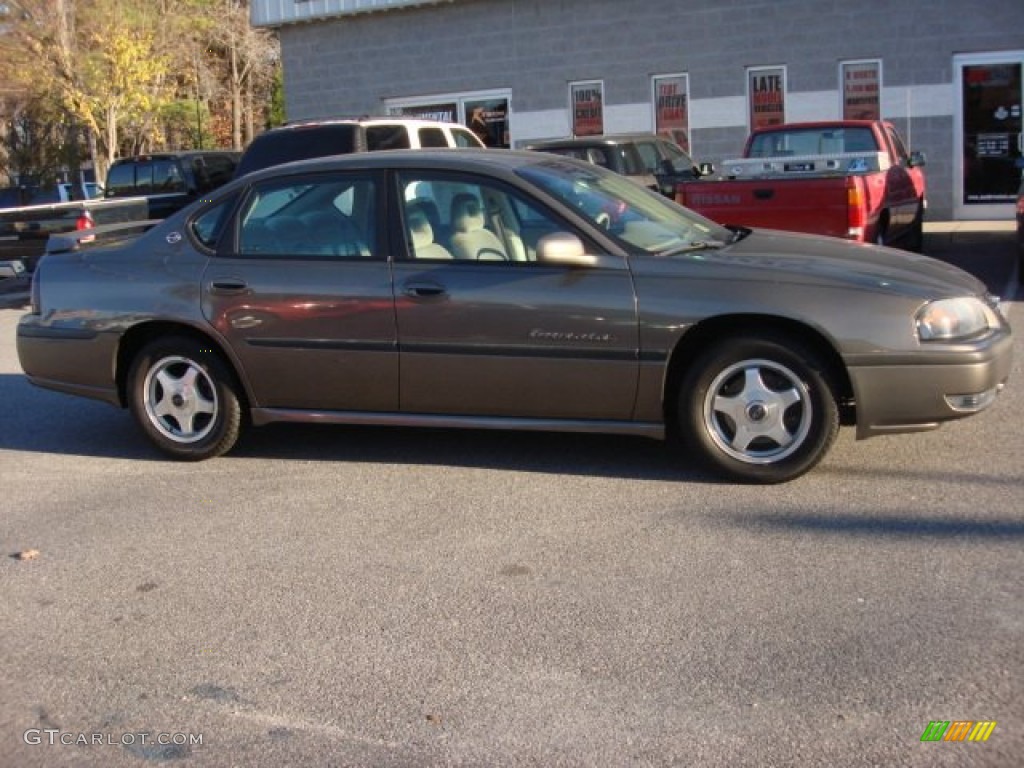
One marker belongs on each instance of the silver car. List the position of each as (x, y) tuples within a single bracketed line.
[(508, 290)]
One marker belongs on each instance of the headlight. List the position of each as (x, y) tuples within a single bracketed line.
[(955, 319)]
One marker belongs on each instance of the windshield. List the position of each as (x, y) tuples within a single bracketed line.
[(640, 218)]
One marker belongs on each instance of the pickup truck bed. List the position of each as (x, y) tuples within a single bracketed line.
[(867, 188), (24, 231)]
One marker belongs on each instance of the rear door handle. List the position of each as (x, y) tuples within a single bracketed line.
[(423, 290), (764, 194), (229, 286)]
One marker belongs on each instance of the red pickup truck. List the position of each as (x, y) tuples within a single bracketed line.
[(849, 178)]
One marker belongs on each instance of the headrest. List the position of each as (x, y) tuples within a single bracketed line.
[(419, 226), (467, 214)]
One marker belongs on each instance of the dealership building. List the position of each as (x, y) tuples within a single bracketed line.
[(948, 73)]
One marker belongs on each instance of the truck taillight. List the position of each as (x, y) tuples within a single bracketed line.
[(85, 221), (856, 211)]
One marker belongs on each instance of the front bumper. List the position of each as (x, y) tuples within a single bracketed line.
[(916, 396)]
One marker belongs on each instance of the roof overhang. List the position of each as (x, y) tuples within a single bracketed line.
[(275, 13)]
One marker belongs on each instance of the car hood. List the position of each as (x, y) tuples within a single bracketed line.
[(795, 258)]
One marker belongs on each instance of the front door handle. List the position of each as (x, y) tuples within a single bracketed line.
[(423, 290)]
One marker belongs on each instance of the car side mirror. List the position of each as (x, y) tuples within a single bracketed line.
[(566, 250), (916, 160)]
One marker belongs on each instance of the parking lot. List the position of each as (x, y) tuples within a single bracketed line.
[(393, 597)]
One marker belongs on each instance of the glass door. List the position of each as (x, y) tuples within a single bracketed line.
[(989, 140)]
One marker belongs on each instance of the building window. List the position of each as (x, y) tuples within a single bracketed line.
[(672, 108), (860, 82), (766, 96), (586, 103)]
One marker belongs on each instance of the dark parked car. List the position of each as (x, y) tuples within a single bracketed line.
[(650, 160), (511, 290), (170, 180)]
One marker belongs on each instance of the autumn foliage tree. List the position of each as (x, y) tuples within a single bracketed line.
[(138, 75)]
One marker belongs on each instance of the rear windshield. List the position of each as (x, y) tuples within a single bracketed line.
[(816, 141), (303, 143)]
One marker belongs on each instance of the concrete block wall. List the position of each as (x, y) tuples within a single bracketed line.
[(351, 65)]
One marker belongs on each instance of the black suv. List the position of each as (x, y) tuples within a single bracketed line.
[(170, 180), (650, 160), (308, 139)]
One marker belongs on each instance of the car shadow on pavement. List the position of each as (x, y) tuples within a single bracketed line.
[(897, 524), (41, 421), (543, 452)]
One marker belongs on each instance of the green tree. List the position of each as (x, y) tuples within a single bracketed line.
[(101, 67), (140, 75)]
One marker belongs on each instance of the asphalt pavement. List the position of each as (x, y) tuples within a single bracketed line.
[(400, 598)]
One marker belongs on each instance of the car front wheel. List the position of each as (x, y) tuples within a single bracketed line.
[(758, 409), (185, 399)]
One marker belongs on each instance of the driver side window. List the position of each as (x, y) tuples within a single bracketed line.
[(466, 219)]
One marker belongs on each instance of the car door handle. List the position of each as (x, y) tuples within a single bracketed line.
[(764, 194), (229, 287), (423, 290)]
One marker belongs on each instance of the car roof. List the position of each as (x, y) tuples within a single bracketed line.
[(185, 153), (366, 120), (463, 158)]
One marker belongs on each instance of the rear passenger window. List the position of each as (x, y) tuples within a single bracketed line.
[(208, 225), (322, 218)]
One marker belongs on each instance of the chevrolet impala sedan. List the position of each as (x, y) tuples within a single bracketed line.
[(506, 290)]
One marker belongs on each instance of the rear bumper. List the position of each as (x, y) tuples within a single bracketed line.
[(71, 360), (893, 398)]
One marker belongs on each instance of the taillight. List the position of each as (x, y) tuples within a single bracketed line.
[(856, 210), (85, 220)]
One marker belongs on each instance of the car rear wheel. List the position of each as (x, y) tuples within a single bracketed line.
[(185, 398), (758, 409)]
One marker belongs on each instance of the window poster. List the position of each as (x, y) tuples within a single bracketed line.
[(671, 108), (766, 95), (861, 86), (488, 119), (587, 104)]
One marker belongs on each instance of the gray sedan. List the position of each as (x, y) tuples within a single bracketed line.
[(479, 288)]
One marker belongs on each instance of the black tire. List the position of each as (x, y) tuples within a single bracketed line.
[(915, 237), (882, 233), (185, 398), (758, 409)]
